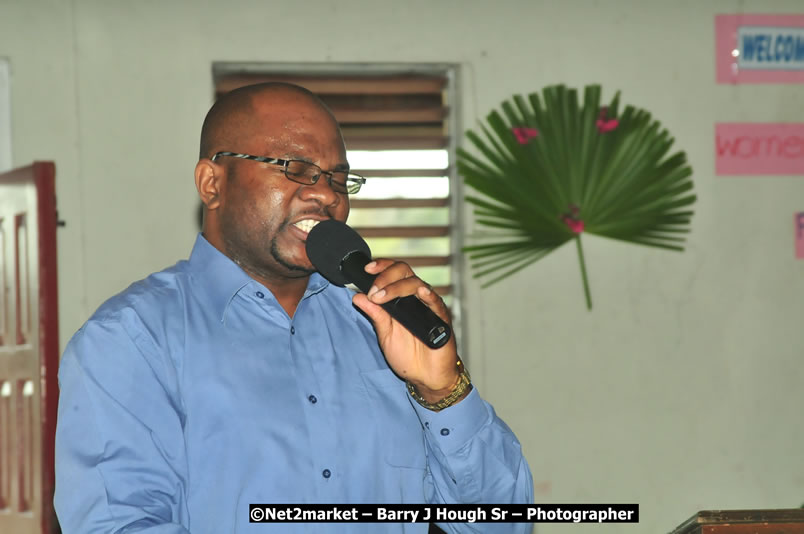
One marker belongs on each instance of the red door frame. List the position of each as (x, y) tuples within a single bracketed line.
[(44, 174)]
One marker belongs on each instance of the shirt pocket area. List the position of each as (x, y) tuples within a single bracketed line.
[(397, 427)]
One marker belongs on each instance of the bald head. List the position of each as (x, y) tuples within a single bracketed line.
[(252, 208), (237, 113)]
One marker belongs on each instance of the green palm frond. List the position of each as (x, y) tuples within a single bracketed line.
[(550, 168)]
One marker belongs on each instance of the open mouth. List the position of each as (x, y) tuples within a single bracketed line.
[(306, 225)]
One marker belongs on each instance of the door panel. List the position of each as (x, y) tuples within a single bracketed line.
[(28, 349)]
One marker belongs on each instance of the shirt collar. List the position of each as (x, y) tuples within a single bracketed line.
[(222, 278)]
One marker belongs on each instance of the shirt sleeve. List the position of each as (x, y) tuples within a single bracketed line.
[(120, 461), (473, 457)]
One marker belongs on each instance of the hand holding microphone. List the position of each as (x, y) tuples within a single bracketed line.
[(341, 255), (418, 344)]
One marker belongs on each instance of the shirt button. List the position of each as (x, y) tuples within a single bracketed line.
[(292, 330), (312, 399), (445, 431), (260, 294), (326, 473), (427, 424)]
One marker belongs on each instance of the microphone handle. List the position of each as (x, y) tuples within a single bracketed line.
[(409, 311)]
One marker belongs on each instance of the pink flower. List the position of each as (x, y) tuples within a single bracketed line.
[(576, 225), (523, 134), (573, 220), (604, 126)]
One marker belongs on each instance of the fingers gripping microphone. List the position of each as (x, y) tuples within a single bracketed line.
[(340, 255)]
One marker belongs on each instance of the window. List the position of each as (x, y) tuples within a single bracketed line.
[(397, 125), (5, 116)]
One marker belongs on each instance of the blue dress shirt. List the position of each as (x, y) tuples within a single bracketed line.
[(192, 394)]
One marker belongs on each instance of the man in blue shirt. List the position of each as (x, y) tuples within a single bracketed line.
[(242, 376)]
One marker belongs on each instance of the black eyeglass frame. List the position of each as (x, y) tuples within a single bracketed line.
[(353, 181)]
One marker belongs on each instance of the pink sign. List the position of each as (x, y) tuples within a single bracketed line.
[(759, 48), (759, 148), (798, 229)]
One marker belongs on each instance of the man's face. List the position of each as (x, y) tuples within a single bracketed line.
[(264, 216)]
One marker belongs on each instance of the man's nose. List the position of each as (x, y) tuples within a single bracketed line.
[(321, 191)]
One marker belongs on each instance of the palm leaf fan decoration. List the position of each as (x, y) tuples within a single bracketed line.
[(550, 169)]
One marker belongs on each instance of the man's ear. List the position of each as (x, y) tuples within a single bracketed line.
[(208, 179)]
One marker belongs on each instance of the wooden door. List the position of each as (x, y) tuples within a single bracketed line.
[(28, 349)]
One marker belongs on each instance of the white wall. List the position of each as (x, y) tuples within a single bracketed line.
[(681, 391)]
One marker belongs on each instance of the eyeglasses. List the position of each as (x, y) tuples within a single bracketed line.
[(304, 172)]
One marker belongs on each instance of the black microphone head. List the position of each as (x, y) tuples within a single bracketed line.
[(328, 243)]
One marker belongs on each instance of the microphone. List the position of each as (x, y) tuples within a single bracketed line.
[(340, 255)]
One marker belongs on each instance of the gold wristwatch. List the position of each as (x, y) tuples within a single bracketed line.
[(464, 383)]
